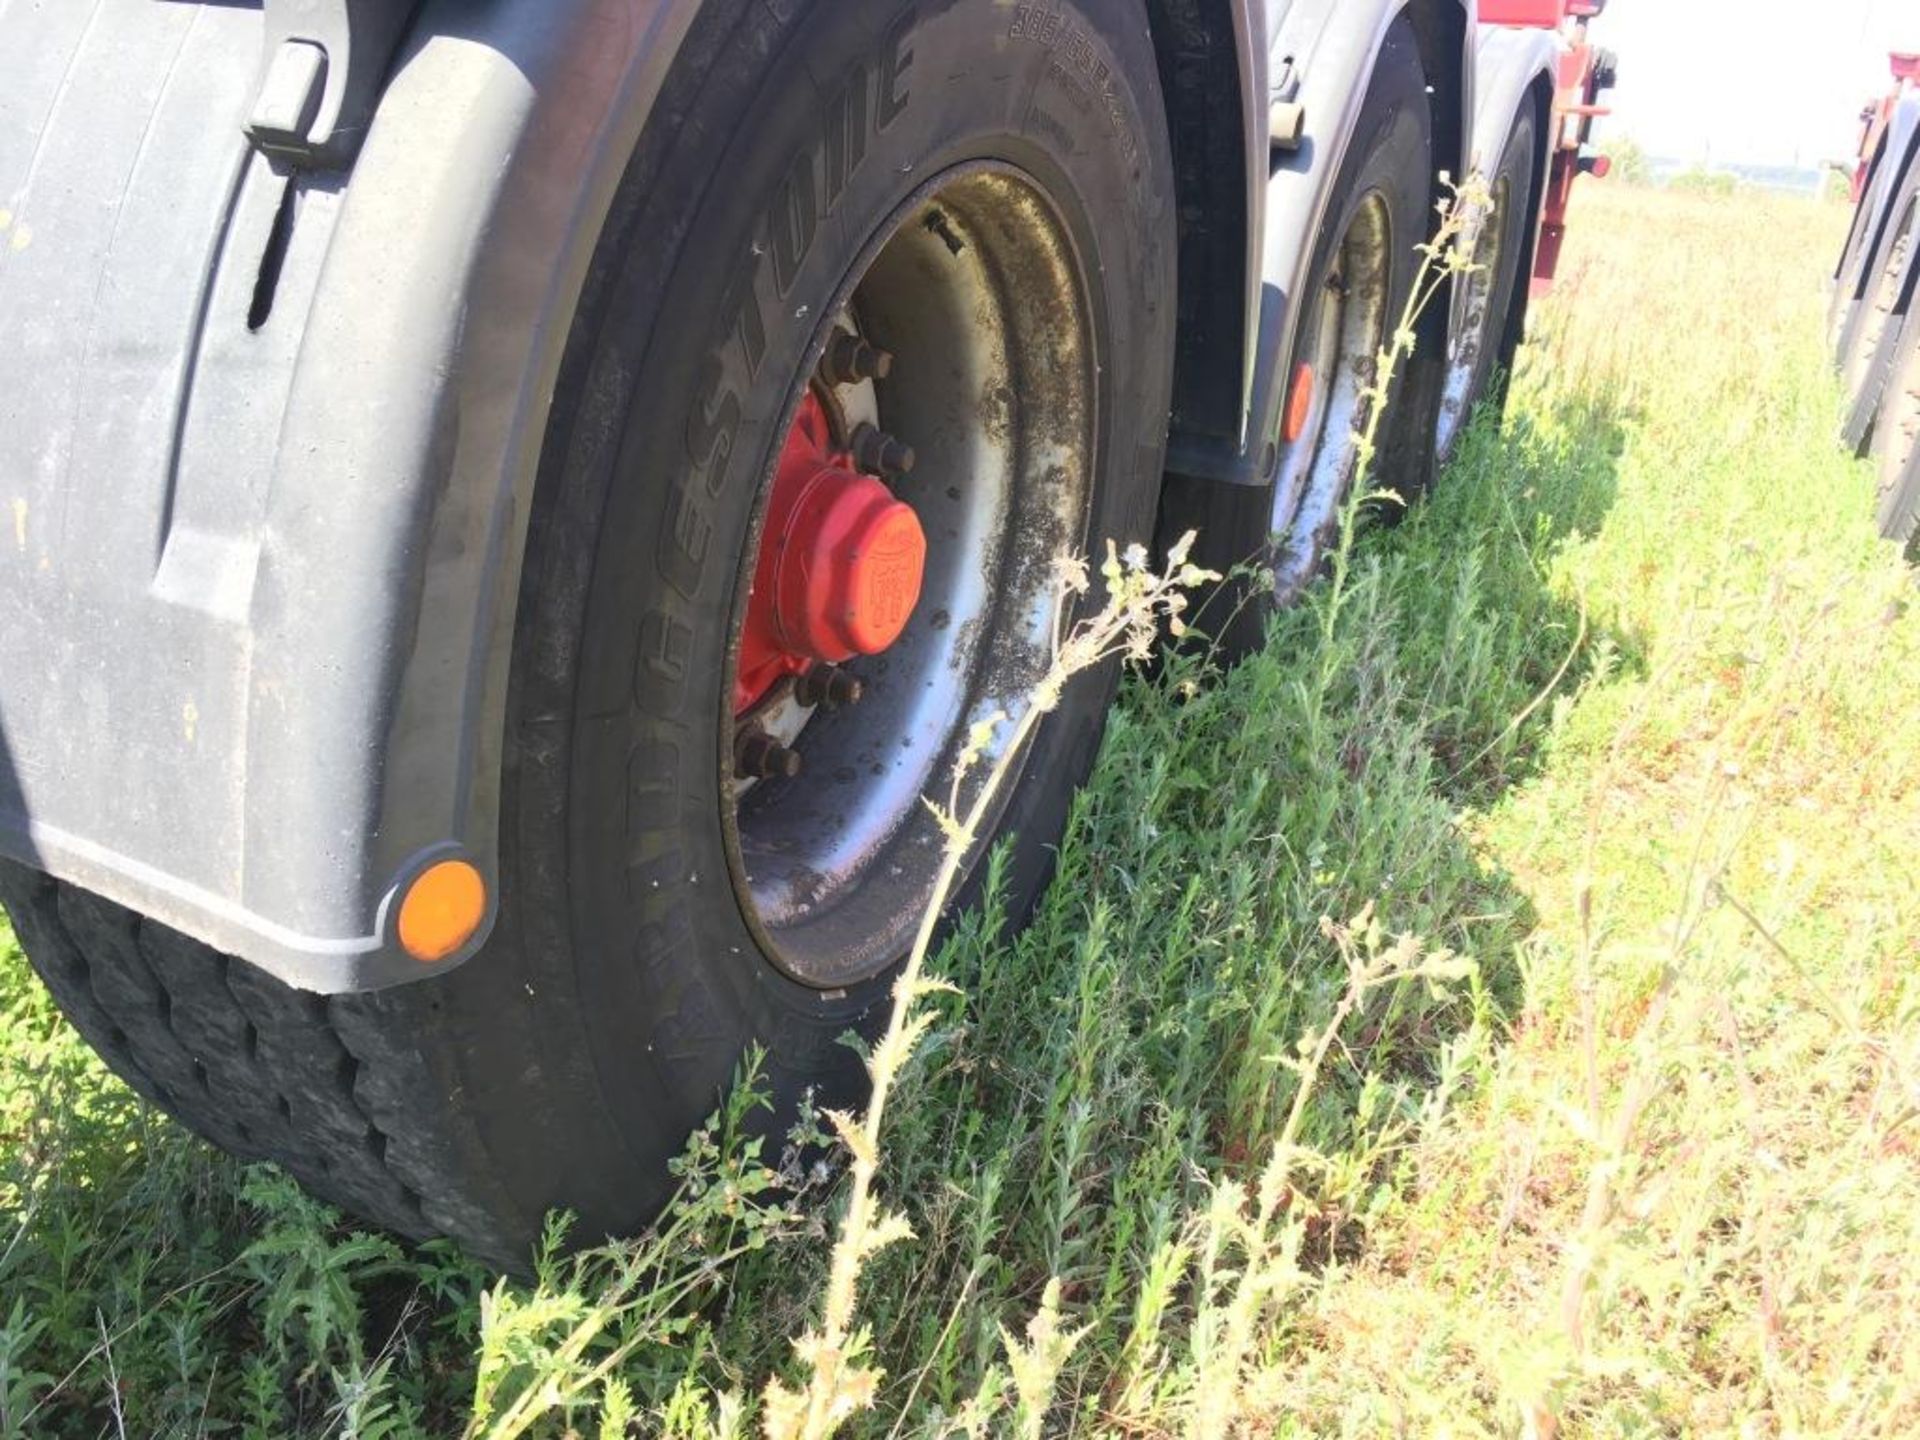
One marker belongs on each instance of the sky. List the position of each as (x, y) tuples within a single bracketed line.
[(1768, 82)]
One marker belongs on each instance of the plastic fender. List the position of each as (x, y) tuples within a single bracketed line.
[(124, 178), (1252, 39), (479, 300), (1333, 45), (391, 562), (268, 513), (1508, 64)]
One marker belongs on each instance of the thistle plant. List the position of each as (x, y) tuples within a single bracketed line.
[(1447, 256), (841, 1380)]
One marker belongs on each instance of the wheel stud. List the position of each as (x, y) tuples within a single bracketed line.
[(849, 360), (878, 453), (758, 756), (830, 686)]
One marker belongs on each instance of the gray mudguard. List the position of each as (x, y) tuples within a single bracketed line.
[(1333, 45), (266, 447), (1253, 22), (1321, 55), (1508, 64)]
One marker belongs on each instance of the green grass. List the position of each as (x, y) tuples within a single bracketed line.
[(1623, 718)]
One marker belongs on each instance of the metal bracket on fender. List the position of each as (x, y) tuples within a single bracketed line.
[(322, 66)]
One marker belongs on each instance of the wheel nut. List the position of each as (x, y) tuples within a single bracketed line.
[(758, 756), (878, 453), (849, 360), (830, 686)]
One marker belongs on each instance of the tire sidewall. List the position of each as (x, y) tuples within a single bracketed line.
[(1235, 523), (1868, 362), (1394, 148), (1516, 172), (1898, 486), (705, 300)]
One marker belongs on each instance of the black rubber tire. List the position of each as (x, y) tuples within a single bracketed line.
[(1857, 254), (1506, 297), (567, 1063), (1896, 447), (1854, 256), (1390, 155), (1899, 509), (1873, 332)]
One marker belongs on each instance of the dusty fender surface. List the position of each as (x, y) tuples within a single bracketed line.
[(265, 450), (1508, 64), (1321, 54)]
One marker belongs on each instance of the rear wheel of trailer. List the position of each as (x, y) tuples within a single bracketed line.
[(1273, 539)]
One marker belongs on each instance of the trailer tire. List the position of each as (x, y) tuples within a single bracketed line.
[(626, 981), (1477, 346), (1896, 447), (331, 1088), (1899, 509), (1857, 254), (1873, 332), (1845, 299), (1271, 540)]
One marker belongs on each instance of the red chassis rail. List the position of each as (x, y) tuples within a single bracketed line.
[(1585, 72)]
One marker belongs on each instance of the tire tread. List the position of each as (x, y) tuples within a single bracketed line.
[(261, 1070)]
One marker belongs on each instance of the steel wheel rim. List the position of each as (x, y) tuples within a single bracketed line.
[(975, 288), (1344, 337)]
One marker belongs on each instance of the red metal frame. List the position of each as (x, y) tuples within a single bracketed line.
[(1533, 14)]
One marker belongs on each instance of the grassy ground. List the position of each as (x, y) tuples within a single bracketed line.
[(1618, 727)]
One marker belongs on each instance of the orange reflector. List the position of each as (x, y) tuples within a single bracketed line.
[(1299, 402), (443, 908)]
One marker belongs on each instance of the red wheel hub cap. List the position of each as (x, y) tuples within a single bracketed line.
[(840, 566)]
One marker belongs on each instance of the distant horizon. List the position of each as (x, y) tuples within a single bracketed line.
[(1784, 176), (1695, 87)]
